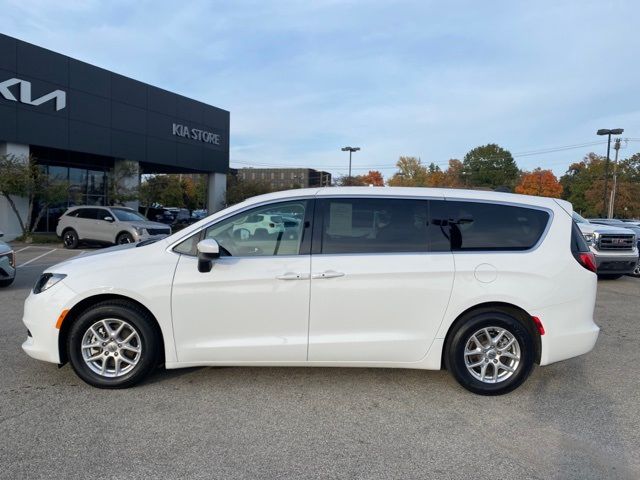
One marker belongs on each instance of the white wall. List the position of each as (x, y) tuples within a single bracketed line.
[(8, 222)]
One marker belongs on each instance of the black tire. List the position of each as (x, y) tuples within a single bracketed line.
[(70, 239), (636, 272), (472, 323), (124, 238), (6, 282), (123, 311), (609, 276)]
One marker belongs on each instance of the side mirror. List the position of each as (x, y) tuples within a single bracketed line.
[(108, 219), (208, 250)]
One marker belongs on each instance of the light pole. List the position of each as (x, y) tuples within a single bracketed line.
[(350, 150), (612, 202), (608, 132)]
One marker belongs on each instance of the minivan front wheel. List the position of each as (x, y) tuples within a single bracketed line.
[(490, 353), (113, 345)]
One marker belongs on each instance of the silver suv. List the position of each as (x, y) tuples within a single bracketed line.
[(110, 225), (7, 264)]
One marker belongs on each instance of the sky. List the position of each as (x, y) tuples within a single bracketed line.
[(429, 79)]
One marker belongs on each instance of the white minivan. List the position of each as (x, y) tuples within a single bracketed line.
[(483, 284)]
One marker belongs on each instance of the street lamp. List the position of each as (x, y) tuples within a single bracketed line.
[(350, 150), (608, 132)]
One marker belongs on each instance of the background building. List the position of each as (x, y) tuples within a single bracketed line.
[(286, 178), (81, 122)]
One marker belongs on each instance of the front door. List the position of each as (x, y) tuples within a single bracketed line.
[(253, 306), (378, 290)]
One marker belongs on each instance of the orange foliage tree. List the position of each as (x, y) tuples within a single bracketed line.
[(542, 183), (374, 177)]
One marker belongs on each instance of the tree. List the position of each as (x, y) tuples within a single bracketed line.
[(455, 174), (239, 190), (25, 178), (542, 183), (374, 178), (123, 184), (583, 185), (490, 166), (411, 173), (347, 181)]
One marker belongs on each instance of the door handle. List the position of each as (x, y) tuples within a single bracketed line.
[(328, 274), (292, 276)]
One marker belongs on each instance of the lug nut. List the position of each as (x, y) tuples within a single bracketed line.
[(104, 344), (115, 354), (106, 354)]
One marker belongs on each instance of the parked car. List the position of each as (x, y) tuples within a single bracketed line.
[(615, 248), (7, 264), (484, 284), (258, 224), (629, 225), (108, 225)]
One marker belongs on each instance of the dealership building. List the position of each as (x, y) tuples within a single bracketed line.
[(83, 124)]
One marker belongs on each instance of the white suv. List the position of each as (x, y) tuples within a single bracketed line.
[(484, 284), (109, 225)]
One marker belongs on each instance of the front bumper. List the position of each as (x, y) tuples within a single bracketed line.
[(615, 263), (41, 313), (6, 270)]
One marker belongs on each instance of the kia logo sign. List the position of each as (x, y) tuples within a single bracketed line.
[(25, 94), (196, 134)]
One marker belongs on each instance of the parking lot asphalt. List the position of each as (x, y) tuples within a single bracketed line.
[(575, 419)]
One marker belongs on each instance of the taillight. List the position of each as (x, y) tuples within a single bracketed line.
[(587, 260)]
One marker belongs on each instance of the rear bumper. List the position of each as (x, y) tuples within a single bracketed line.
[(568, 344)]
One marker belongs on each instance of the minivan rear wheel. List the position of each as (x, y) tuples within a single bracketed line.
[(113, 345), (490, 353)]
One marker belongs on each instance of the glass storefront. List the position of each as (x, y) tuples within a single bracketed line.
[(86, 187)]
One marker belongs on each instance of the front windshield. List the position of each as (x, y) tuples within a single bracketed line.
[(579, 219), (128, 215)]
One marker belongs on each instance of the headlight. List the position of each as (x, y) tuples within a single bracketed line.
[(139, 231), (590, 238), (46, 281)]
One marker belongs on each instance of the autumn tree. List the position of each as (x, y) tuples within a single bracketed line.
[(239, 190), (455, 174), (374, 177), (542, 183), (490, 166), (411, 173)]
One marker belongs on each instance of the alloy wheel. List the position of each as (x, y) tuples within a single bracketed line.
[(111, 347), (492, 354)]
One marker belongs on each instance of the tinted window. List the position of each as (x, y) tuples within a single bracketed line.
[(488, 226), (368, 225), (578, 243), (102, 214), (128, 215), (88, 213)]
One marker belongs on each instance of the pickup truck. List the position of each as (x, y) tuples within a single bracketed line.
[(615, 248)]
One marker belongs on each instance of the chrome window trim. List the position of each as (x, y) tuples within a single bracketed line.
[(236, 212), (319, 196)]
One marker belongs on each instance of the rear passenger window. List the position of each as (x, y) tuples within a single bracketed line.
[(89, 213), (367, 225), (487, 226)]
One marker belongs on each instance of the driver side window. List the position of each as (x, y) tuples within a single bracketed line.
[(274, 229)]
